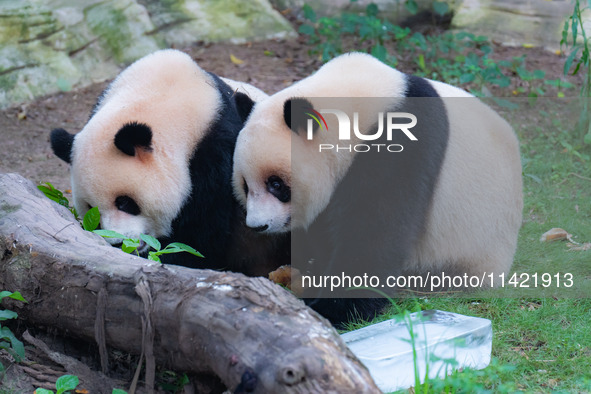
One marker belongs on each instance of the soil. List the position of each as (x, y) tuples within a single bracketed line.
[(270, 65)]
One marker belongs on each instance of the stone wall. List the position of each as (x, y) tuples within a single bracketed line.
[(516, 22), (52, 45)]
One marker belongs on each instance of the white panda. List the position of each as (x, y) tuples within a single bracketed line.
[(449, 201), (156, 158)]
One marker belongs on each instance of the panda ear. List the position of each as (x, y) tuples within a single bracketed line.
[(296, 112), (134, 135), (61, 144), (244, 105)]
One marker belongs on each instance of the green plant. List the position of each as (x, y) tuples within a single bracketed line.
[(8, 341), (574, 24), (460, 58), (172, 382), (92, 219), (58, 196), (67, 383), (130, 245), (63, 384)]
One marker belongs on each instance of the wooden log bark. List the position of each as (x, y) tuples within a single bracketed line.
[(251, 333)]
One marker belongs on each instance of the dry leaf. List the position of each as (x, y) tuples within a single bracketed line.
[(289, 277), (235, 60), (555, 234), (579, 247)]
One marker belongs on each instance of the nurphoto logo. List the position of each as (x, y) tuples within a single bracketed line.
[(391, 121)]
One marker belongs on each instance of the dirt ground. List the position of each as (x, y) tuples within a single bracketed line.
[(271, 66)]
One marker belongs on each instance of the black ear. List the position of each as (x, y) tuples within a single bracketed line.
[(244, 105), (134, 135), (296, 112), (61, 143)]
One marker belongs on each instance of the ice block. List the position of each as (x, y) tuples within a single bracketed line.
[(444, 341)]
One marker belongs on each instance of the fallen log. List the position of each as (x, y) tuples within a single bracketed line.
[(251, 333)]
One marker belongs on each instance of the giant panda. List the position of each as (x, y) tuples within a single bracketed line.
[(449, 201), (156, 158)]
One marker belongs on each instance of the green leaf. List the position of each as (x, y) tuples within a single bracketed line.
[(564, 40), (309, 13), (307, 30), (153, 242), (421, 62), (66, 383), (154, 257), (440, 8), (118, 391), (464, 34), (575, 26), (552, 82), (411, 6), (54, 194), (17, 347), (587, 138), (168, 250), (109, 234), (569, 60), (535, 178), (379, 52), (128, 249), (129, 245), (15, 296), (466, 78), (372, 10), (505, 103), (6, 314), (539, 74), (91, 220), (185, 248), (42, 391)]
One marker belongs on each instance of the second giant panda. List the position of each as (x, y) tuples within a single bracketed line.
[(449, 201), (156, 158)]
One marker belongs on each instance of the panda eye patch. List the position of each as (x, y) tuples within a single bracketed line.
[(278, 188), (245, 186), (128, 205)]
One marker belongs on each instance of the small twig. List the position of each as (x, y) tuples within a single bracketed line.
[(63, 228), (579, 176)]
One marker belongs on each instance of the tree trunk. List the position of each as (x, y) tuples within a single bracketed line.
[(251, 333)]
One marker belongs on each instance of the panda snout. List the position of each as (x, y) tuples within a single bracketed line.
[(260, 229)]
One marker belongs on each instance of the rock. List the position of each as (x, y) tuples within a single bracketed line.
[(237, 21), (555, 234), (394, 11), (515, 22), (52, 45)]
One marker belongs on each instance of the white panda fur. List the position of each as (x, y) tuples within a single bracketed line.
[(474, 213), (179, 180)]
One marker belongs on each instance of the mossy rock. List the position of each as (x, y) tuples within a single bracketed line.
[(52, 45), (515, 23)]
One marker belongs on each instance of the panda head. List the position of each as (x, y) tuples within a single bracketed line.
[(279, 193), (131, 160), (280, 177)]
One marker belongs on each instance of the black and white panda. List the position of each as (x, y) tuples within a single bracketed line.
[(156, 158), (449, 201)]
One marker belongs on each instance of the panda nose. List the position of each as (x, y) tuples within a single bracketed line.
[(260, 228)]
